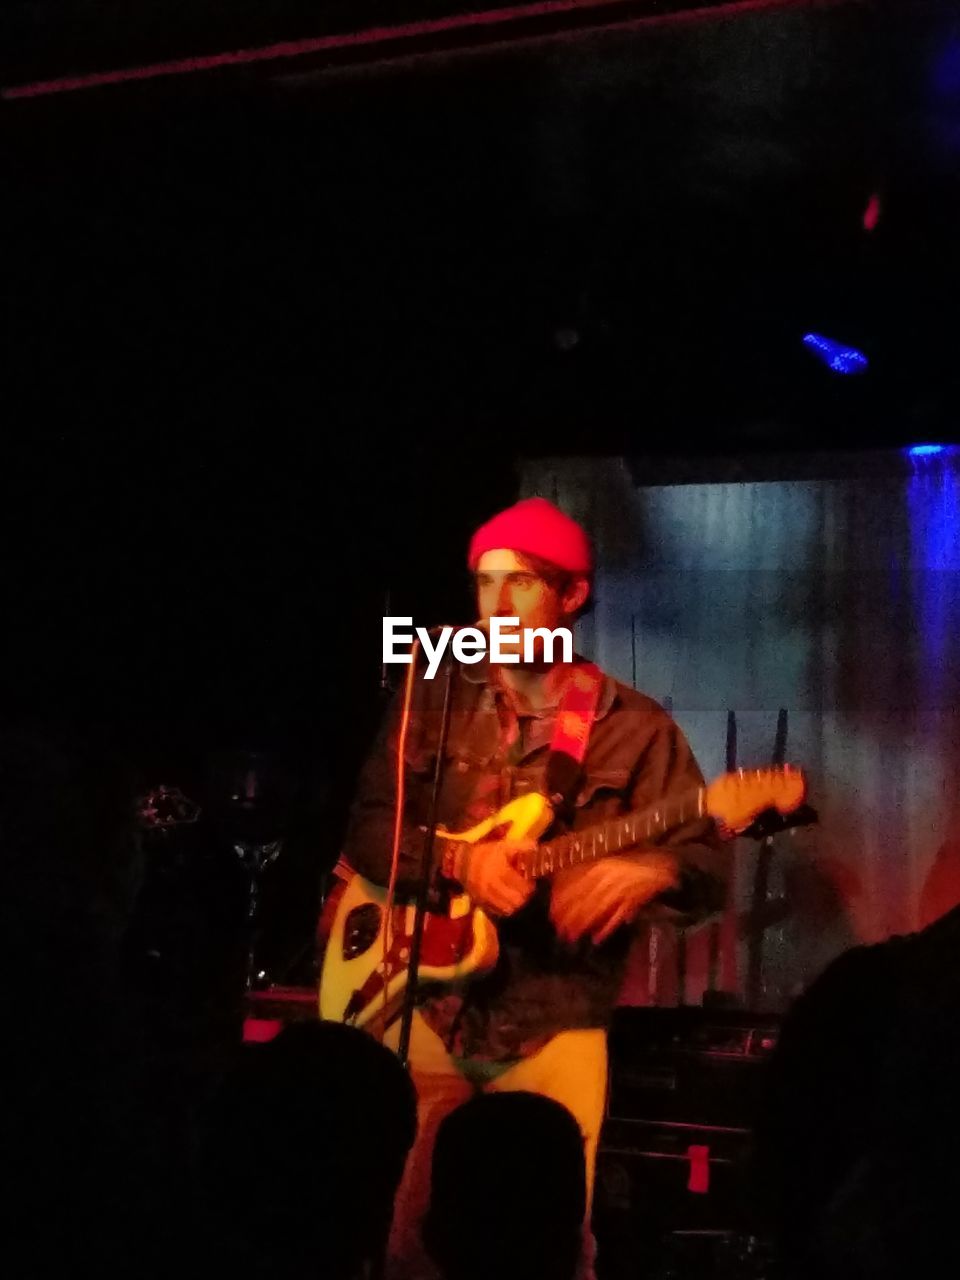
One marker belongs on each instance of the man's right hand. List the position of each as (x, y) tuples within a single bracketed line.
[(492, 879)]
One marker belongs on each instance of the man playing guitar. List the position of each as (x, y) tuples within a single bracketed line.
[(537, 1021)]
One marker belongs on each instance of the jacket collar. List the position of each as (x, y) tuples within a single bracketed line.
[(480, 673)]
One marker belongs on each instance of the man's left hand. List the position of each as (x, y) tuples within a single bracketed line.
[(602, 896)]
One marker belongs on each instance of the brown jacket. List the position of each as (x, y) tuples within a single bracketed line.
[(636, 757)]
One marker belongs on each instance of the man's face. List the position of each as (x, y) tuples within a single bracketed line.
[(506, 589)]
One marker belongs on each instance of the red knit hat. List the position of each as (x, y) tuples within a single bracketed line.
[(537, 527)]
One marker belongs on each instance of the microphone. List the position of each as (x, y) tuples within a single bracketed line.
[(454, 627), (439, 646), (434, 642)]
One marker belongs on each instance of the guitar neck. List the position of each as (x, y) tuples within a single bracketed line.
[(609, 838)]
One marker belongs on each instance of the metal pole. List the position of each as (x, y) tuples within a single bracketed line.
[(426, 871)]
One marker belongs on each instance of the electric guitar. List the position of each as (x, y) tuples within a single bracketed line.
[(363, 975)]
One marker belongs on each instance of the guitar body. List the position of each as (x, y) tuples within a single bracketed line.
[(356, 986), (364, 969)]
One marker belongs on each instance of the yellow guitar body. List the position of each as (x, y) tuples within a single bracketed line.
[(366, 958), (456, 945)]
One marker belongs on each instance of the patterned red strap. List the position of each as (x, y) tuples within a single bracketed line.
[(578, 709)]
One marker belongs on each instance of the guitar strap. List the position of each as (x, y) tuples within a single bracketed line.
[(571, 733)]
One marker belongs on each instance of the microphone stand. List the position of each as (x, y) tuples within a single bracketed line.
[(426, 871)]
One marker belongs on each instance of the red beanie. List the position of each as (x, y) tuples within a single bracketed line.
[(537, 527)]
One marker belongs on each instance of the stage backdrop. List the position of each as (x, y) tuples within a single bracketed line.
[(835, 601)]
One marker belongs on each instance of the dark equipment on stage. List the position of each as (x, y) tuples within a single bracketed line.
[(673, 1171), (250, 801), (229, 890), (690, 1064)]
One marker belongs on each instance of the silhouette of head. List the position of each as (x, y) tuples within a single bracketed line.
[(304, 1148), (508, 1192)]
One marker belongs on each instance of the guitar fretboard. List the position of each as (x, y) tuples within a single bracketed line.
[(616, 834)]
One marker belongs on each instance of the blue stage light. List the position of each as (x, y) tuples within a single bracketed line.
[(925, 450), (838, 356)]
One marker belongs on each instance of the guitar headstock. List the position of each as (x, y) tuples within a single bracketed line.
[(734, 800)]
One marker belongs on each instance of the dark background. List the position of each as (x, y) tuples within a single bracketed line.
[(277, 338)]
